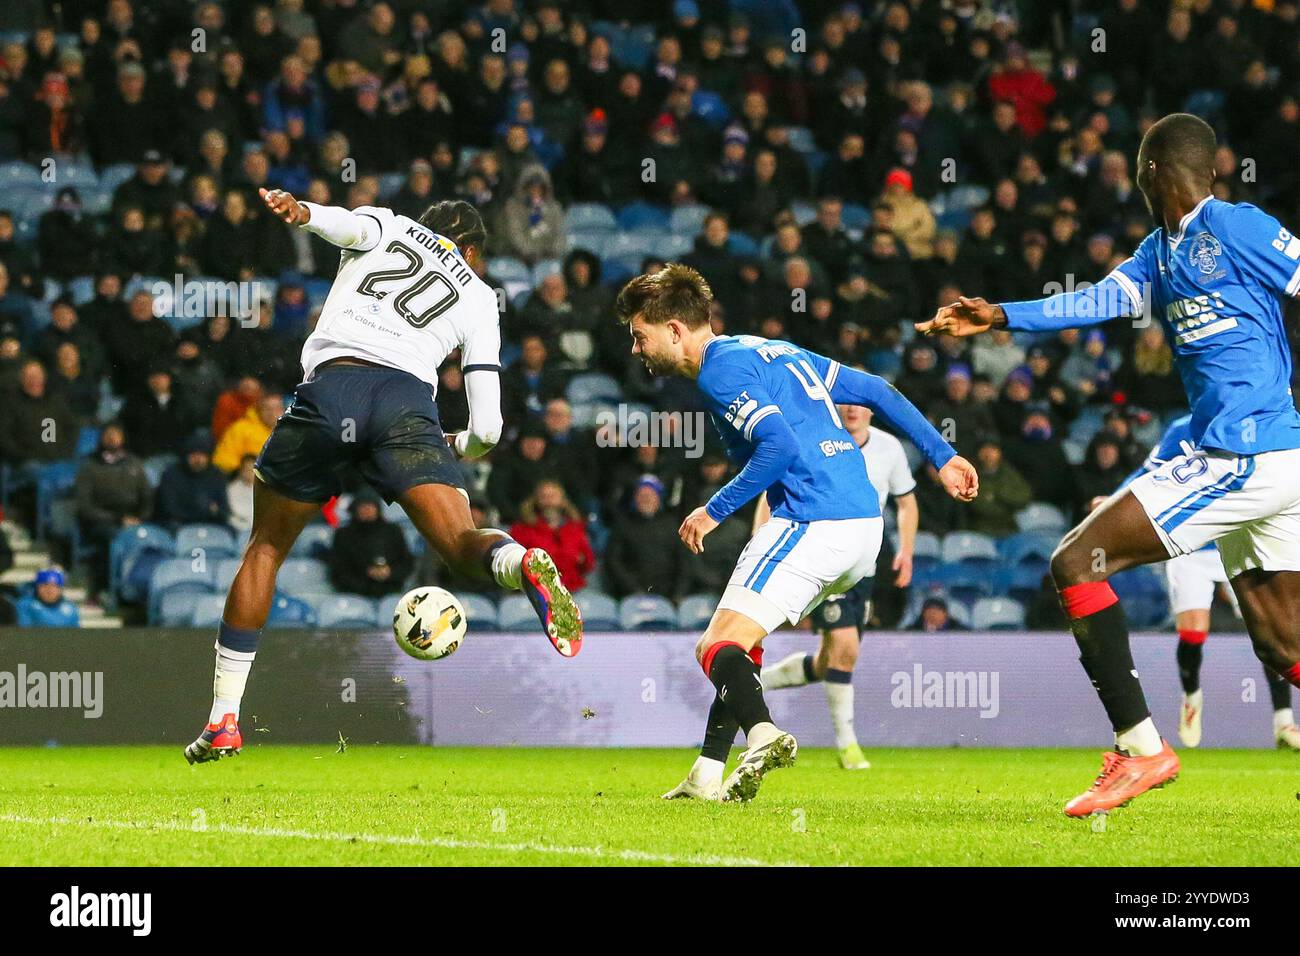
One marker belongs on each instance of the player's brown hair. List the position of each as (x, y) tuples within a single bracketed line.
[(674, 292)]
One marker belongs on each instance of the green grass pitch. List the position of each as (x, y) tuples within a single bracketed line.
[(298, 805)]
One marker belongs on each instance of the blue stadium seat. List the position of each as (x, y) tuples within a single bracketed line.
[(1036, 546), (969, 546), (544, 269), (514, 613), (637, 244), (505, 269), (599, 610), (179, 575), (480, 611), (593, 387), (855, 216), (803, 212), (110, 177), (1142, 592), (18, 173), (997, 614), (176, 608), (1038, 516), (130, 543), (647, 612), (345, 611), (214, 541), (695, 612), (207, 610), (739, 244), (314, 542), (589, 217), (642, 216), (592, 240), (687, 220), (801, 139), (227, 568), (290, 612), (301, 576)]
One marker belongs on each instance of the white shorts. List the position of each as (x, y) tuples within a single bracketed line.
[(1193, 579), (1249, 504), (789, 567)]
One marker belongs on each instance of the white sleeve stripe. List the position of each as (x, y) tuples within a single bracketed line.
[(1129, 287), (745, 411), (1293, 286), (757, 417), (832, 373)]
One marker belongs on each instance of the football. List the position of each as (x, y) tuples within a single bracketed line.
[(429, 623)]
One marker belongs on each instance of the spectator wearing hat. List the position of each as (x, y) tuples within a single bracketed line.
[(150, 190), (1003, 492), (597, 169), (644, 555), (958, 416), (369, 555), (125, 125), (192, 491), (1016, 81), (55, 125), (935, 617), (532, 222), (46, 606), (66, 237), (1037, 452), (430, 120), (549, 520), (913, 221)]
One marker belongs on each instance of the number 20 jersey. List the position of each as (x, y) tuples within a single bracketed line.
[(407, 304)]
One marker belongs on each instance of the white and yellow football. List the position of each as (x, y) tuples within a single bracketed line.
[(429, 623)]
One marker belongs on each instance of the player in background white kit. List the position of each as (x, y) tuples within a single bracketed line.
[(842, 617), (1193, 581), (405, 297)]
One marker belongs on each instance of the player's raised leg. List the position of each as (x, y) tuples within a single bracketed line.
[(1118, 535), (277, 522), (441, 513)]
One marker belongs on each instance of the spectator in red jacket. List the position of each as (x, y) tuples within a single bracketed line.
[(1017, 82), (549, 520)]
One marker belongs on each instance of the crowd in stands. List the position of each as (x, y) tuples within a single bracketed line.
[(836, 170)]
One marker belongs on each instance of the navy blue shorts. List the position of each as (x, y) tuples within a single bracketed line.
[(381, 423), (849, 609)]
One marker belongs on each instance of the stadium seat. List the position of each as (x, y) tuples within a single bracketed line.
[(345, 611), (544, 269), (480, 612), (638, 244), (589, 217), (180, 575), (997, 614), (969, 546), (176, 608), (593, 387), (642, 216), (599, 610), (18, 173), (290, 612), (592, 240), (1033, 546), (314, 542), (803, 212), (855, 216), (207, 610), (132, 543), (687, 220), (647, 612), (300, 576), (695, 612), (514, 613), (506, 269), (213, 541), (1037, 516), (227, 568), (1142, 592), (801, 139)]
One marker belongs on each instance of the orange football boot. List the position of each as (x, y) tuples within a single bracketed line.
[(1122, 778)]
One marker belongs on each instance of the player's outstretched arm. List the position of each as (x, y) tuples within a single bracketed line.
[(334, 224), (483, 392)]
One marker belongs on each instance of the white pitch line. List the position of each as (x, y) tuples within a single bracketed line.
[(386, 839)]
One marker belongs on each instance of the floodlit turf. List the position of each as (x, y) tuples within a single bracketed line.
[(286, 805)]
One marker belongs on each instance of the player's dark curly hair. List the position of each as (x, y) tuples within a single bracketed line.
[(458, 220)]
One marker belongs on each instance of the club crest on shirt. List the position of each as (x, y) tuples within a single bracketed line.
[(1204, 253)]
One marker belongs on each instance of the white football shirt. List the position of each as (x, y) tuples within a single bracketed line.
[(406, 303), (887, 466)]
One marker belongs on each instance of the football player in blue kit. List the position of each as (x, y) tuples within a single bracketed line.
[(1214, 274), (774, 404)]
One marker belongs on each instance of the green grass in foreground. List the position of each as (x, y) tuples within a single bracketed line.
[(283, 805)]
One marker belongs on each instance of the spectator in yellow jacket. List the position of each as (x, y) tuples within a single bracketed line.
[(914, 224), (248, 434)]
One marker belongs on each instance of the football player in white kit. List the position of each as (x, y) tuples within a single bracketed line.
[(842, 617), (1193, 581), (405, 297)]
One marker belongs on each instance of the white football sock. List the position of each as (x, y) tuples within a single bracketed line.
[(506, 563), (706, 772), (1140, 741), (228, 682), (788, 672), (840, 698), (1282, 718)]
